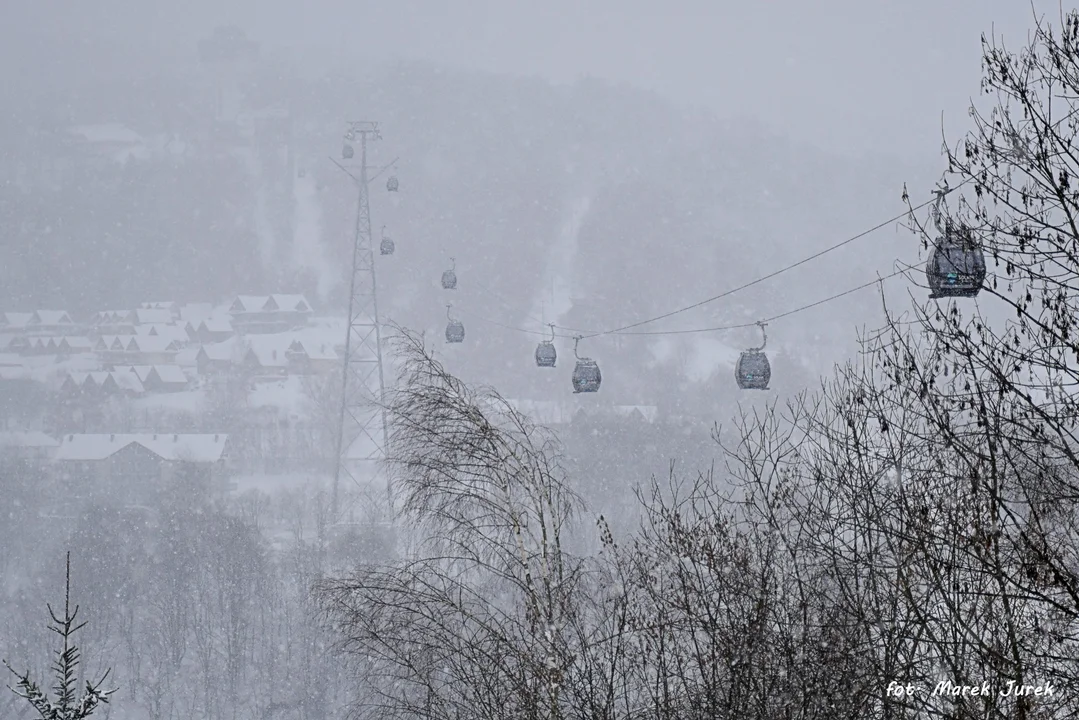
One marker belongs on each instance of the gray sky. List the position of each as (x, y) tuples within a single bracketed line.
[(858, 75)]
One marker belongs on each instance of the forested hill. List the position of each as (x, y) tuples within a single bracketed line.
[(605, 196)]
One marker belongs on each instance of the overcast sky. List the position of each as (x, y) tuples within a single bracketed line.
[(844, 74)]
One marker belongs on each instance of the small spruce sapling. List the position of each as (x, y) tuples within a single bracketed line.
[(66, 706)]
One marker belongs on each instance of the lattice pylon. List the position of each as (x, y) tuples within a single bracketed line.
[(363, 432)]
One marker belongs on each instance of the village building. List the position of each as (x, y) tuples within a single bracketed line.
[(50, 322), (148, 316), (172, 308), (26, 445), (307, 358), (150, 350), (111, 348), (215, 358), (15, 322), (139, 468), (176, 333), (111, 322), (157, 378), (266, 357), (262, 314)]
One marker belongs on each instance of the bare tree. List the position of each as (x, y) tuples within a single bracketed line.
[(473, 622), (936, 479)]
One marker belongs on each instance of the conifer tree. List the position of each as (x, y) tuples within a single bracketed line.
[(66, 705)]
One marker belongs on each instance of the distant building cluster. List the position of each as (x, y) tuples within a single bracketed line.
[(165, 388)]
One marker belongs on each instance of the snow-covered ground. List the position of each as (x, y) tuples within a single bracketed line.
[(50, 370), (556, 293), (193, 402), (287, 395), (307, 248)]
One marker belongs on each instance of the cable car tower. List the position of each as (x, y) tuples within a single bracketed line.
[(363, 430)]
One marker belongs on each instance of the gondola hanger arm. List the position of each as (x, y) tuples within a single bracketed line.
[(762, 325)]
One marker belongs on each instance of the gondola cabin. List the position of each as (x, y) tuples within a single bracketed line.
[(546, 355), (753, 372), (956, 268), (586, 376), (455, 331)]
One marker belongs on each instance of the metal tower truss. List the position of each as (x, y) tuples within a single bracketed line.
[(363, 433)]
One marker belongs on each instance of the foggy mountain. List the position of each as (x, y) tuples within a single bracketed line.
[(589, 204)]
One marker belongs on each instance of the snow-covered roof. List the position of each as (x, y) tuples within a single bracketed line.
[(195, 313), (26, 439), (17, 319), (112, 343), (314, 351), (170, 373), (290, 303), (188, 357), (185, 447), (216, 324), (150, 344), (159, 305), (50, 317), (142, 372), (165, 373), (269, 303), (248, 303), (128, 381), (177, 333), (145, 316), (269, 350), (221, 350)]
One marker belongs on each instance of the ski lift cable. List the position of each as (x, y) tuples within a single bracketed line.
[(582, 335), (621, 330), (482, 319), (938, 195), (768, 319), (720, 328)]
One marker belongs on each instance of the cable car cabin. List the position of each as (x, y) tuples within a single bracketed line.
[(391, 184), (586, 376), (546, 355), (455, 331), (449, 280), (347, 152), (386, 247), (956, 268), (753, 371)]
